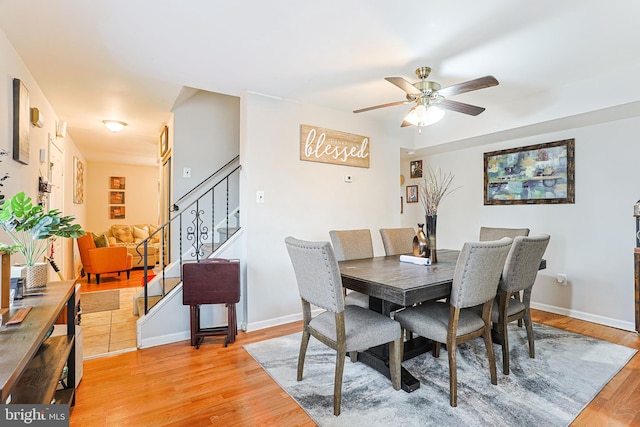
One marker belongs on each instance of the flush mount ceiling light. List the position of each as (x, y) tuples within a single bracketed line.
[(114, 125)]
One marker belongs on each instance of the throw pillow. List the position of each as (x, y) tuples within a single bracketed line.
[(122, 233), (156, 237), (140, 233), (100, 241), (112, 241)]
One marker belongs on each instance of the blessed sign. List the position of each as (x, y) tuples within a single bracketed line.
[(332, 146)]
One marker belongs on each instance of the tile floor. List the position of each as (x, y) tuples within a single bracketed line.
[(110, 331)]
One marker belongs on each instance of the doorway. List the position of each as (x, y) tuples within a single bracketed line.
[(55, 200)]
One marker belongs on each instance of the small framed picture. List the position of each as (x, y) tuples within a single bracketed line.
[(412, 194), (416, 168), (164, 141), (116, 197), (116, 212), (117, 182)]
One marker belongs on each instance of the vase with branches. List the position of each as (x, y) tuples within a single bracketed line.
[(433, 187)]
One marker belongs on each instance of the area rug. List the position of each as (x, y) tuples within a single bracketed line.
[(93, 302), (550, 390)]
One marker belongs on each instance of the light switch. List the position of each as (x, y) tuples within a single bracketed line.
[(259, 196), (186, 172)]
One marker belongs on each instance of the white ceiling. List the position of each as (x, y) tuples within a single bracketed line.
[(129, 60)]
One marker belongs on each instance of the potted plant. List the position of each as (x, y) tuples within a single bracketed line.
[(30, 229)]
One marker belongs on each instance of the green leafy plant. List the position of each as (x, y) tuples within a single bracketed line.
[(30, 227)]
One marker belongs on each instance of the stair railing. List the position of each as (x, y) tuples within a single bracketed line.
[(196, 225)]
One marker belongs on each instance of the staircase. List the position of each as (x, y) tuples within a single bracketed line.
[(170, 283), (189, 234)]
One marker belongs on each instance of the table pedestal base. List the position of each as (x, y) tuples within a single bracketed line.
[(377, 358)]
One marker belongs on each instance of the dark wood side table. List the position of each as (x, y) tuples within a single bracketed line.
[(212, 281), (30, 365), (636, 263)]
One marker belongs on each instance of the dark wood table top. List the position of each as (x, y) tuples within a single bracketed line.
[(398, 282), (402, 283), (20, 342)]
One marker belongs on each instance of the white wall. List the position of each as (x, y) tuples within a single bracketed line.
[(304, 199), (592, 240), (141, 195), (25, 177), (205, 137)]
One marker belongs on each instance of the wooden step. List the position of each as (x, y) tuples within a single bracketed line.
[(169, 284), (222, 231), (153, 300)]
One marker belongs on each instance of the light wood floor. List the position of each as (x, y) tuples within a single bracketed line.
[(178, 385), (110, 331)]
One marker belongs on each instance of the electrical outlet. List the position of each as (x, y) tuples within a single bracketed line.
[(561, 278)]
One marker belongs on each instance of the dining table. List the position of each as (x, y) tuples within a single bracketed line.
[(392, 285)]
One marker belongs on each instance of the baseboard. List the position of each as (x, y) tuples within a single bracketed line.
[(164, 339), (601, 320), (254, 326), (589, 317), (278, 321)]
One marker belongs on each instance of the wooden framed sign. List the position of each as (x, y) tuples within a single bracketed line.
[(332, 146)]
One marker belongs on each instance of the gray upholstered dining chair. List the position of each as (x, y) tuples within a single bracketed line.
[(496, 233), (519, 274), (342, 328), (397, 241), (493, 233), (475, 282), (348, 245)]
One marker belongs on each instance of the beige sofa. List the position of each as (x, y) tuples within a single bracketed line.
[(130, 235)]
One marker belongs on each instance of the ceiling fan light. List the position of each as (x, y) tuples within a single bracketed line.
[(114, 125), (421, 115)]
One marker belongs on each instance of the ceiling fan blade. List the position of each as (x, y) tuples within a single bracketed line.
[(480, 83), (460, 107), (404, 85), (405, 124), (391, 104)]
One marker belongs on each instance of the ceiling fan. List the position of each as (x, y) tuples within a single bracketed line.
[(431, 100)]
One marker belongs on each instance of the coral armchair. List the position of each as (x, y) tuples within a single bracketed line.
[(102, 260)]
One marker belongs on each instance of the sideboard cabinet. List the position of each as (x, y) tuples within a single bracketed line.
[(31, 365)]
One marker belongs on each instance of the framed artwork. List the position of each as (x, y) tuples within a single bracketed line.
[(412, 194), (542, 173), (116, 197), (416, 168), (116, 212), (117, 182), (164, 141), (78, 181), (21, 119)]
